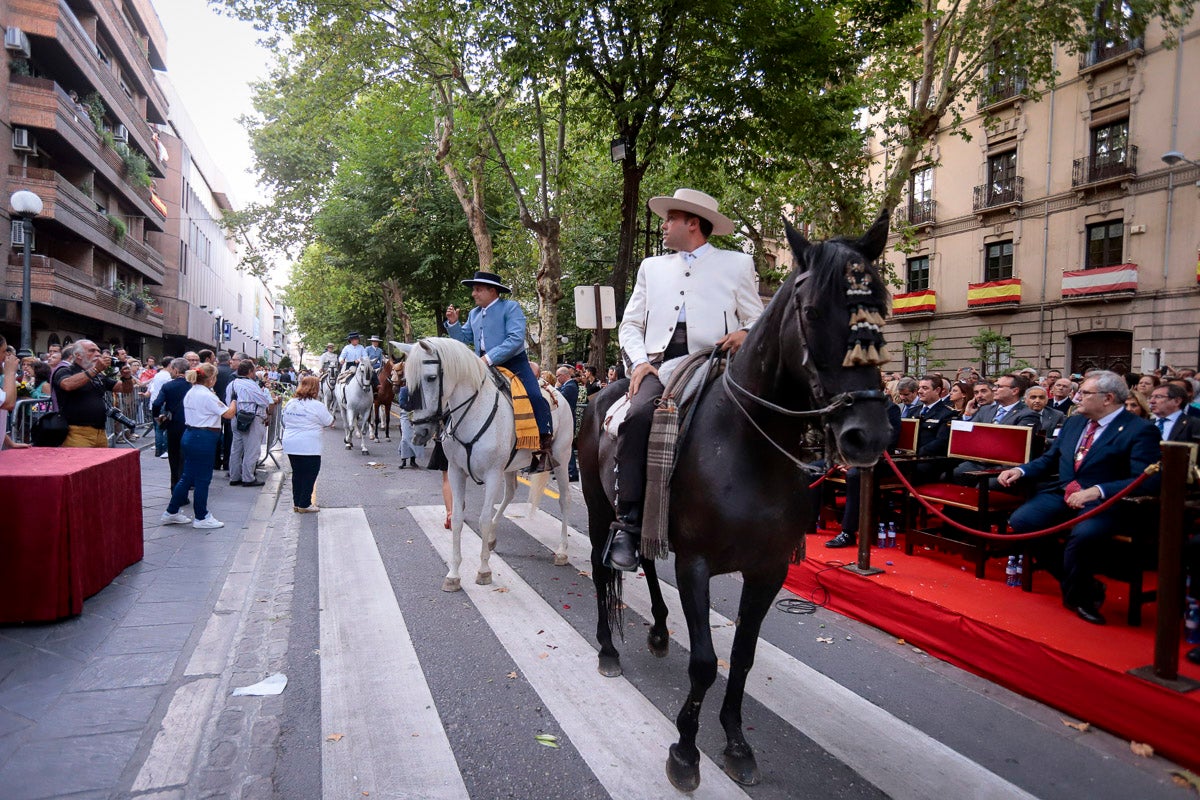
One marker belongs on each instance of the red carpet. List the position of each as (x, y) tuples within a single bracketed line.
[(1026, 642)]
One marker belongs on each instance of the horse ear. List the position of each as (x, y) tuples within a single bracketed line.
[(402, 347), (798, 243), (874, 240)]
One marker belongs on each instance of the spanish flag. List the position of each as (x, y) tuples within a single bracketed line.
[(993, 293), (913, 302)]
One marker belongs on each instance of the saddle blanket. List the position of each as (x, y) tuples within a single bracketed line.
[(618, 410), (523, 420)]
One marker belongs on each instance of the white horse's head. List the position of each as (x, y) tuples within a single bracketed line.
[(435, 369)]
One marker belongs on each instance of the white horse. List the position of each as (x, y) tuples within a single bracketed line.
[(451, 390), (356, 397), (329, 391)]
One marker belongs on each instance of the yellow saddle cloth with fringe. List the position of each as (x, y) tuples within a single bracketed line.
[(523, 420)]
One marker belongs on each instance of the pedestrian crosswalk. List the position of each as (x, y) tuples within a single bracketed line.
[(360, 619)]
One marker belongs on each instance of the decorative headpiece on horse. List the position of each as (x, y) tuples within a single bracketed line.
[(865, 346)]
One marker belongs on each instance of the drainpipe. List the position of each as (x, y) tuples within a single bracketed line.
[(1046, 222), (1171, 174)]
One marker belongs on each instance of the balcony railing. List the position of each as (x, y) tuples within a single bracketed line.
[(58, 284), (918, 212), (1111, 166), (1001, 90), (1102, 51), (998, 194)]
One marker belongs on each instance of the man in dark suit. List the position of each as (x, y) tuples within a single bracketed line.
[(170, 400), (1049, 419), (569, 389), (1102, 448), (1060, 396), (1007, 409), (933, 432), (1166, 403)]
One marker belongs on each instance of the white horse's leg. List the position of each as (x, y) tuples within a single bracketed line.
[(564, 502), (538, 482), (362, 437), (492, 490), (458, 493), (510, 489)]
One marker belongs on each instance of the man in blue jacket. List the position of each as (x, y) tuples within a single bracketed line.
[(170, 399), (496, 329), (1101, 449)]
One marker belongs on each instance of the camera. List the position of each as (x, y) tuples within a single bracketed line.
[(115, 414)]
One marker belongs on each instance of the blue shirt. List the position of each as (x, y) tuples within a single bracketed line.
[(500, 327), (376, 356), (353, 352)]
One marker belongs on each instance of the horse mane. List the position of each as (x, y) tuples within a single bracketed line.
[(459, 362)]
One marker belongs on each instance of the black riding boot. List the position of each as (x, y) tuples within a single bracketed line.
[(541, 456), (625, 536)]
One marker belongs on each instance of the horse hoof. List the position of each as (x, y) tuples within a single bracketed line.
[(349, 447), (683, 776), (659, 643), (484, 578), (561, 560), (742, 768), (452, 585), (609, 666)]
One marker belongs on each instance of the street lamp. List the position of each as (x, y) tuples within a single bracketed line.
[(26, 205), (1173, 157), (619, 149), (220, 315)]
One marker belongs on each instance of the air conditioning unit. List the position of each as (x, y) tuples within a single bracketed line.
[(21, 140), (18, 234), (121, 133), (16, 40)]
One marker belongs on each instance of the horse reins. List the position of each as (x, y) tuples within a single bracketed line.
[(446, 422)]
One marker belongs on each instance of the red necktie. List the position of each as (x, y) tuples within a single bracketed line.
[(1085, 443)]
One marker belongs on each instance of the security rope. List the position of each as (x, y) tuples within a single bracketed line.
[(1013, 537)]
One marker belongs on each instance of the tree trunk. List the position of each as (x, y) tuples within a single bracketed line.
[(631, 184), (393, 303), (470, 197), (549, 289)]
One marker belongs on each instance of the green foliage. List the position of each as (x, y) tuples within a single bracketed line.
[(285, 363), (96, 110), (19, 66), (119, 227), (137, 167)]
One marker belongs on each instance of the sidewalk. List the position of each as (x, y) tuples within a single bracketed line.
[(83, 701)]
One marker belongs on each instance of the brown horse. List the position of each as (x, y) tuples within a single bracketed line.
[(739, 496), (385, 395)]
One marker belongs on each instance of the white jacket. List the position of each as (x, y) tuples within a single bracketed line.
[(719, 288)]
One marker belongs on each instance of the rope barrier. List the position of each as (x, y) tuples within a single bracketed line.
[(1014, 537), (821, 479)]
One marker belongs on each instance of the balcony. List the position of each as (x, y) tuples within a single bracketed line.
[(56, 21), (917, 212), (77, 212), (42, 105), (1102, 52), (1001, 92), (1101, 283), (999, 194), (994, 295), (1111, 167), (59, 285)]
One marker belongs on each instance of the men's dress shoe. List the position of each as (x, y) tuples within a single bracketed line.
[(622, 551), (843, 539), (1089, 614), (313, 509), (254, 483), (235, 483), (1193, 655)]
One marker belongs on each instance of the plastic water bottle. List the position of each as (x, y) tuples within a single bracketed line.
[(1191, 624), (891, 534), (881, 536), (1010, 571), (1020, 570)]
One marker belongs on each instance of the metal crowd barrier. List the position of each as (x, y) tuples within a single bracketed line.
[(132, 406), (274, 433), (25, 413)]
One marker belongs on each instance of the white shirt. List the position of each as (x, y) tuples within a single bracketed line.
[(201, 408), (156, 383), (1168, 421), (302, 423)]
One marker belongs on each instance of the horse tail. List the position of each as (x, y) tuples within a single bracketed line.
[(614, 608)]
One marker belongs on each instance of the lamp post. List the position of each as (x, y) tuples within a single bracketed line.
[(26, 205), (1173, 157), (220, 327)]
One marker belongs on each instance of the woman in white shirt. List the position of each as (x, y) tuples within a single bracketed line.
[(303, 418), (202, 414)]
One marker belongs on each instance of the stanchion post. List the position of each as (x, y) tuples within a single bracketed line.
[(866, 513), (1176, 466)]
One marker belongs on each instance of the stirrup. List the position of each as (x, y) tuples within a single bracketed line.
[(632, 531)]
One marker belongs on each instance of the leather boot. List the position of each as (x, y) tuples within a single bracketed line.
[(624, 537)]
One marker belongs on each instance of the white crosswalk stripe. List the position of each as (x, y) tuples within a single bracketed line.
[(899, 759), (381, 734)]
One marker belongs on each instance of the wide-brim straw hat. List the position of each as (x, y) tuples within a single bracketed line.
[(693, 202), (374, 339), (487, 279)]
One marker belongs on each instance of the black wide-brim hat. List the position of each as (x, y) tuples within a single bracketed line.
[(487, 279), (353, 335)]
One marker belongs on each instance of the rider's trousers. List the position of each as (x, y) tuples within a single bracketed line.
[(632, 443)]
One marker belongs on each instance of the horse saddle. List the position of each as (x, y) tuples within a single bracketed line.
[(682, 380)]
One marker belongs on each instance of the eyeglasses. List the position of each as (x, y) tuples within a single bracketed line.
[(1082, 393)]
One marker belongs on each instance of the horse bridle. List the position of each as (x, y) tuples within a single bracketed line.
[(445, 424), (827, 406)]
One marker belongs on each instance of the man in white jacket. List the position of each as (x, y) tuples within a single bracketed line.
[(695, 297)]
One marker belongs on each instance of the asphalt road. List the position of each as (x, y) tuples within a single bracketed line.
[(398, 689)]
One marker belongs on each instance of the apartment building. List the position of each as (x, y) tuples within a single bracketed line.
[(1065, 232), (80, 105)]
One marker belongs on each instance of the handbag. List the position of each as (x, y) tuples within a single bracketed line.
[(50, 430), (245, 419)]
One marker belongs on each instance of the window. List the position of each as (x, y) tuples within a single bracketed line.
[(996, 355), (183, 257), (1002, 170), (999, 265), (920, 195), (918, 277), (1110, 144), (1117, 30), (1105, 242), (916, 356)]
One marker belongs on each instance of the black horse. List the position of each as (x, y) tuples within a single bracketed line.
[(739, 499)]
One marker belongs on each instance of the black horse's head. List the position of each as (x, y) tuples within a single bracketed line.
[(841, 303)]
